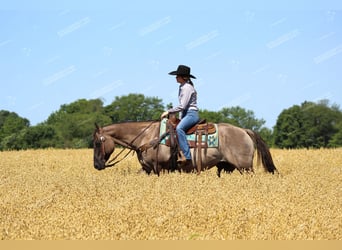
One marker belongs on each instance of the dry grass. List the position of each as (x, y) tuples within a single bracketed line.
[(57, 194)]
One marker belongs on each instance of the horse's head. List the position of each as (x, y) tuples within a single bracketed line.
[(103, 147)]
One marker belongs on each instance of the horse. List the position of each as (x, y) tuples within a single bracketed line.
[(236, 148)]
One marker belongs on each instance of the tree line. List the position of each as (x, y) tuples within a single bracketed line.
[(310, 125)]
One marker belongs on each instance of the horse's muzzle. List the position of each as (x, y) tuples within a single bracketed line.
[(99, 165), (100, 168)]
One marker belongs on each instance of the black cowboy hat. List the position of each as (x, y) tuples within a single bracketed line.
[(182, 70)]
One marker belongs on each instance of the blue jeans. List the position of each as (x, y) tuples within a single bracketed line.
[(189, 119)]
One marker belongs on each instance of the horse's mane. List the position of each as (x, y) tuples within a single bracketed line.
[(132, 121)]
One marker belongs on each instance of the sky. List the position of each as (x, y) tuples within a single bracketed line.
[(264, 56)]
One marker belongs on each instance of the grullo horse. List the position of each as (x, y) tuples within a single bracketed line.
[(236, 148)]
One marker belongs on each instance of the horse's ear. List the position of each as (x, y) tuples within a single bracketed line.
[(97, 126)]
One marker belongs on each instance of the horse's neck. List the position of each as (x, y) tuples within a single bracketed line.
[(131, 131)]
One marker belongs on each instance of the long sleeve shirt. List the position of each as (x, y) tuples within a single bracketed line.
[(187, 97)]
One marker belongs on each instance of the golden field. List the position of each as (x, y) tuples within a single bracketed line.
[(57, 194)]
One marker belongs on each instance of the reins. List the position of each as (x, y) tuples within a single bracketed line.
[(125, 145)]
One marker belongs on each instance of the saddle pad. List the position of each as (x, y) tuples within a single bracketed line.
[(212, 141)]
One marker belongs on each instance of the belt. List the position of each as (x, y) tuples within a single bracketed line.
[(193, 108)]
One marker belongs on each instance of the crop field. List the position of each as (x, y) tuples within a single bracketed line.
[(57, 194)]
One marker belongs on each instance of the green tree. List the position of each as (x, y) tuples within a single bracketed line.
[(11, 123), (288, 129), (10, 126), (211, 116), (309, 125), (39, 136), (242, 118), (13, 142), (318, 124), (134, 107), (74, 122), (234, 115), (336, 140)]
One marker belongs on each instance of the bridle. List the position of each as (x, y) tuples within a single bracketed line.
[(122, 143)]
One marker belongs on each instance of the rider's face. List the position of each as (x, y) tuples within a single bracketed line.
[(180, 79)]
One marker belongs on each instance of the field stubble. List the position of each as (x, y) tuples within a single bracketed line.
[(57, 194)]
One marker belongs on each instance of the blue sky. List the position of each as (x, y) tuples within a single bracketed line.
[(260, 55)]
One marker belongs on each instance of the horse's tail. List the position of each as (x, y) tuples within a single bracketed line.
[(263, 151)]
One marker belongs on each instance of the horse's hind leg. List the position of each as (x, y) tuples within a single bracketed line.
[(226, 166)]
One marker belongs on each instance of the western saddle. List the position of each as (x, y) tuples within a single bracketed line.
[(199, 129)]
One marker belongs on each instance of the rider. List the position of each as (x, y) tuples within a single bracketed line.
[(187, 109)]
